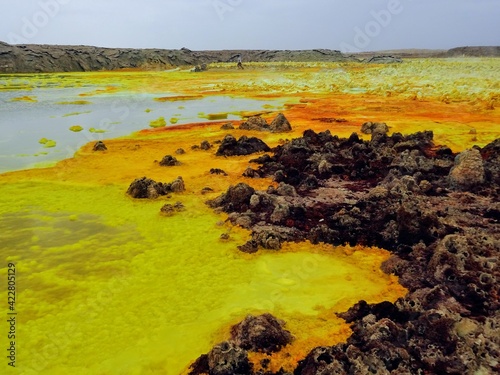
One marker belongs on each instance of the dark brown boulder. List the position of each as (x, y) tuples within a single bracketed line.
[(280, 124), (99, 146), (255, 123), (177, 186), (243, 146), (468, 171), (263, 333), (225, 358), (169, 161), (205, 145), (227, 126), (236, 198), (147, 188), (370, 127)]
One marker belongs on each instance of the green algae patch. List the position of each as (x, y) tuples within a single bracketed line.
[(158, 123), (76, 128), (76, 113), (214, 116), (174, 120), (148, 110), (94, 130), (178, 98), (75, 102), (47, 143)]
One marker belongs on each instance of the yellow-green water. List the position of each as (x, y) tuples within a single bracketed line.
[(106, 285)]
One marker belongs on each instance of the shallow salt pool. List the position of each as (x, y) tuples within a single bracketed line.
[(105, 283), (27, 116)]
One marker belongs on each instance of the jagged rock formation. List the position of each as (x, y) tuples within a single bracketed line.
[(33, 58), (147, 188), (263, 333), (437, 212), (486, 51), (243, 146)]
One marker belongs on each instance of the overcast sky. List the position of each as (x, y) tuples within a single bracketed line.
[(348, 25)]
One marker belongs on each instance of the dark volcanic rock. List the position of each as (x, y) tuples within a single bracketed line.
[(227, 126), (263, 333), (385, 59), (438, 215), (218, 171), (491, 157), (243, 146), (225, 358), (177, 186), (147, 188), (171, 209), (280, 124), (236, 198), (205, 145), (468, 171), (255, 123), (378, 127), (169, 161), (30, 58), (99, 146)]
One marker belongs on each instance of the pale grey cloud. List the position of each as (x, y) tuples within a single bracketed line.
[(253, 24)]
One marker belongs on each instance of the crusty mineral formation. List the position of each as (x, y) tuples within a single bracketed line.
[(439, 215), (147, 188)]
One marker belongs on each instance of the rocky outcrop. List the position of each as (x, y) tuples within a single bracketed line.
[(468, 171), (262, 333), (31, 58), (385, 59), (99, 146), (243, 146), (485, 51), (225, 358), (147, 188), (437, 213), (236, 198), (169, 161), (280, 124), (171, 209), (256, 123)]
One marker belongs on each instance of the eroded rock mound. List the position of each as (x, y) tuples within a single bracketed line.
[(225, 358), (236, 198), (243, 146), (263, 333), (468, 171), (255, 123), (280, 124), (147, 188), (439, 215), (169, 161), (99, 146)]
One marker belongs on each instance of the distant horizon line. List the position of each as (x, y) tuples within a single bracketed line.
[(253, 49)]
